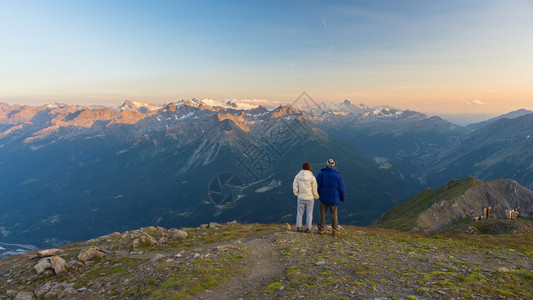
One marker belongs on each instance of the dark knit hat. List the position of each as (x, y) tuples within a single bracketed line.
[(330, 163)]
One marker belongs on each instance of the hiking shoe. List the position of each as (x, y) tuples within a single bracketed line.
[(334, 232), (307, 230), (320, 232), (299, 229)]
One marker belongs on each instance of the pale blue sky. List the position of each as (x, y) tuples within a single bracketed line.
[(464, 56)]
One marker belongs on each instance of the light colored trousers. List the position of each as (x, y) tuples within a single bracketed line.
[(307, 207)]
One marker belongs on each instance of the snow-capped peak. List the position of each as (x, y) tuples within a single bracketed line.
[(138, 106), (229, 104), (55, 105)]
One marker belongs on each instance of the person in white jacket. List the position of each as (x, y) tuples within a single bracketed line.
[(305, 188)]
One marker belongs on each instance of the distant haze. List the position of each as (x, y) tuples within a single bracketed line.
[(465, 119), (451, 57)]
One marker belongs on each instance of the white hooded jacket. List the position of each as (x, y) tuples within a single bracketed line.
[(304, 186)]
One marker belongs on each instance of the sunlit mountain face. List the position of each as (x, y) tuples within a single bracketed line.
[(72, 172)]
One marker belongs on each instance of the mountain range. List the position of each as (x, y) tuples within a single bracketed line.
[(70, 172)]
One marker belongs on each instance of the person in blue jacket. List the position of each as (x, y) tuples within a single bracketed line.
[(331, 191)]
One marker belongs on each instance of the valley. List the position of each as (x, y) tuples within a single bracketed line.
[(70, 173)]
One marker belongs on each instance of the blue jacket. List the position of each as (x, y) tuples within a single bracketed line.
[(330, 186)]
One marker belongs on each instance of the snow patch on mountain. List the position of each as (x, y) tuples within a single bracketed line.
[(138, 106), (228, 104)]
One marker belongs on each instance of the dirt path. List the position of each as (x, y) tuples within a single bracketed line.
[(262, 267)]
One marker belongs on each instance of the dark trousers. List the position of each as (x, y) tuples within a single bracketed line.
[(322, 218)]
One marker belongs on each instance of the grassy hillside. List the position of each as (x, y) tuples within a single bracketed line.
[(404, 216)]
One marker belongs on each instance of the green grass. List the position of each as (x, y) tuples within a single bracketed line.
[(404, 216), (274, 286)]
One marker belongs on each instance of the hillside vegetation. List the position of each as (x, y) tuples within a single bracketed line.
[(258, 261), (458, 202)]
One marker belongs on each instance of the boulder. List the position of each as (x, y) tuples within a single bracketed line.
[(43, 289), (91, 253), (157, 257), (214, 225), (68, 293), (226, 247), (56, 289), (49, 252), (178, 234), (147, 239), (55, 263), (471, 230), (58, 264), (24, 296), (75, 264), (43, 265), (136, 243)]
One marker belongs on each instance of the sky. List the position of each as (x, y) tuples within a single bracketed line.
[(454, 57)]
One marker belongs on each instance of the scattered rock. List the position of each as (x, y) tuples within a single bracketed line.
[(144, 239), (10, 293), (471, 230), (43, 289), (302, 255), (149, 228), (55, 263), (157, 257), (68, 293), (289, 226), (43, 265), (136, 243), (226, 247), (58, 264), (163, 240), (49, 252), (114, 235), (180, 254), (74, 264), (24, 296), (505, 270), (213, 225), (91, 253), (178, 234)]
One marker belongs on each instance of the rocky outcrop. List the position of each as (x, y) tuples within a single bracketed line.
[(55, 263), (501, 195), (91, 253), (49, 252)]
